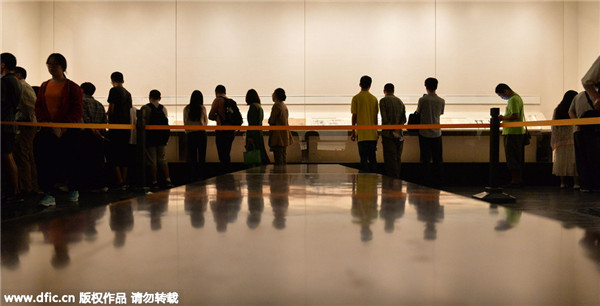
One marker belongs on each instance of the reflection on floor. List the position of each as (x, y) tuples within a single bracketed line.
[(307, 234)]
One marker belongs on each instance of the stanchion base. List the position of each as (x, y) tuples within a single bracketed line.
[(495, 195)]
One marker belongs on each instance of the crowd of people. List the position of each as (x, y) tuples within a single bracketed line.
[(38, 160)]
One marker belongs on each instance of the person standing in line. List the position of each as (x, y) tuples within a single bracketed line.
[(279, 140), (514, 146), (255, 139), (430, 108), (562, 143), (587, 144), (119, 105), (23, 152), (195, 114), (364, 109), (57, 150), (156, 141), (93, 140), (11, 96), (223, 139), (392, 112)]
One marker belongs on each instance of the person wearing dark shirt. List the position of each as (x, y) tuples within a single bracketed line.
[(93, 140), (119, 106), (11, 95)]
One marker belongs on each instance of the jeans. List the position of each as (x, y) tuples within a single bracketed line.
[(368, 159), (224, 140), (431, 160)]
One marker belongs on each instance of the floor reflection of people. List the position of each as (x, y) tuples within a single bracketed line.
[(14, 242), (393, 201), (513, 216), (195, 202), (429, 210), (228, 201), (67, 230), (156, 204), (280, 191), (121, 221), (364, 203), (256, 202), (591, 243)]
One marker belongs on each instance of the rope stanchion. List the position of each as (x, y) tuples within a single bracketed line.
[(493, 193)]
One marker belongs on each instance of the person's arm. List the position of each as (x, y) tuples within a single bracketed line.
[(275, 114), (590, 79), (213, 114), (353, 136)]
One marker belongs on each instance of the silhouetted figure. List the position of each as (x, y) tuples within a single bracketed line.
[(392, 112), (562, 143), (429, 210), (57, 150), (514, 137), (11, 96), (364, 109), (195, 203), (228, 201), (15, 241), (430, 108), (94, 141), (223, 139), (513, 217), (279, 197), (279, 140), (255, 139), (195, 114), (364, 203), (256, 201), (121, 221), (393, 201), (119, 112)]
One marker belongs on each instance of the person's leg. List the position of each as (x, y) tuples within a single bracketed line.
[(71, 141), (164, 166), (363, 153), (372, 155), (23, 163), (399, 148), (151, 157), (389, 156), (192, 154), (425, 156), (45, 147), (438, 161), (9, 167)]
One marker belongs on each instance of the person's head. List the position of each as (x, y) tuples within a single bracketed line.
[(220, 90), (252, 97), (116, 78), (503, 91), (388, 89), (431, 84), (154, 95), (57, 65), (365, 82), (562, 110), (196, 99), (88, 88), (20, 73), (8, 61), (279, 95)]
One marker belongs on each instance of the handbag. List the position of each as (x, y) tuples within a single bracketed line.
[(527, 138), (252, 156), (414, 118)]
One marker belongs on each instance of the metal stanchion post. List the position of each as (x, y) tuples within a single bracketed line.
[(494, 193), (140, 149)]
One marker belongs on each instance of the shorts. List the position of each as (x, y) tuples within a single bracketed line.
[(514, 150), (8, 143), (155, 155)]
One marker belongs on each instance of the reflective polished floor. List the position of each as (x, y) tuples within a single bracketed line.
[(307, 235)]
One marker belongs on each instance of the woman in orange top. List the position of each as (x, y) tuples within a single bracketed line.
[(56, 149)]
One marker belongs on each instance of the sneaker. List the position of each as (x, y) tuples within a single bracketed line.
[(74, 196), (585, 190), (48, 201), (576, 186), (168, 184), (562, 186)]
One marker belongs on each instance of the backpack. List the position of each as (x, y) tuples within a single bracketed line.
[(232, 113), (157, 117), (590, 128)]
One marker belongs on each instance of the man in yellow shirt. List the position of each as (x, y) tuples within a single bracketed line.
[(364, 110)]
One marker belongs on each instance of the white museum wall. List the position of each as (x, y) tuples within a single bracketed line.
[(316, 50)]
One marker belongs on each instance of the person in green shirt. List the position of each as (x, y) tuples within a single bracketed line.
[(364, 109), (514, 137)]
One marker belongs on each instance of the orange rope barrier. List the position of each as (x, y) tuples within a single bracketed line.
[(563, 122)]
